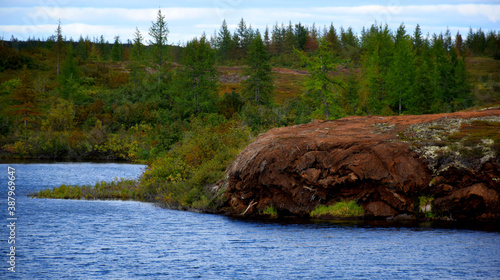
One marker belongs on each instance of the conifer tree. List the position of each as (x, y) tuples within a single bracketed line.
[(276, 40), (400, 74), (82, 49), (224, 41), (322, 87), (59, 45), (199, 78), (159, 32), (138, 46), (137, 57), (258, 88), (333, 39), (267, 39), (301, 35), (26, 99), (117, 50)]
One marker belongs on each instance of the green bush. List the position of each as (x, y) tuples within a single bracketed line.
[(180, 178)]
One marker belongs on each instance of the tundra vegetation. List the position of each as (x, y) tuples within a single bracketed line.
[(187, 110)]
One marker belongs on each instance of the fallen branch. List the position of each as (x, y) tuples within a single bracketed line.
[(249, 205)]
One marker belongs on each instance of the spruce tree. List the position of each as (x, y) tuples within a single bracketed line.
[(400, 74), (322, 87), (199, 79), (117, 50), (59, 46), (159, 32), (224, 42), (258, 88)]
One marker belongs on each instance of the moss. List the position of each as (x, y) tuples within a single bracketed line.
[(270, 211), (343, 209)]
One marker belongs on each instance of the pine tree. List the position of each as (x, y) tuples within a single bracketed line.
[(159, 32), (258, 88)]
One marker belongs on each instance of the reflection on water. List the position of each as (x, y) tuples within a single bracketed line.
[(76, 239)]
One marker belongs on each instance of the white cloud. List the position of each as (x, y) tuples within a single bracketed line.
[(186, 21)]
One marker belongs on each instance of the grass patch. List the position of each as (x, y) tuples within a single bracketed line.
[(343, 209), (270, 211), (118, 189)]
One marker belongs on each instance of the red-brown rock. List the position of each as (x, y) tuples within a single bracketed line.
[(384, 163)]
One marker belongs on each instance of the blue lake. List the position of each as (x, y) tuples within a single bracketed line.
[(78, 239)]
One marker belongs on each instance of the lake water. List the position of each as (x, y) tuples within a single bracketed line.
[(77, 239)]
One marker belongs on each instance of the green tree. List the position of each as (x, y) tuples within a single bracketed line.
[(26, 100), (138, 46), (322, 87), (104, 48), (159, 32), (69, 75), (400, 74), (277, 39), (117, 50), (258, 88), (289, 39), (224, 42), (351, 93), (82, 49), (376, 60), (59, 45), (423, 98), (332, 38), (199, 78), (137, 58), (300, 36), (60, 117)]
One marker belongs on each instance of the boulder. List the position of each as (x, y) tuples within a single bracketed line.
[(383, 163)]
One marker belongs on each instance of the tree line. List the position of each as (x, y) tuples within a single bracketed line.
[(134, 100)]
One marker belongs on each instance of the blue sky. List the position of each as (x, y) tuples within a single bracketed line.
[(190, 18)]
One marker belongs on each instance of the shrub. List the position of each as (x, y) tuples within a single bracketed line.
[(179, 178)]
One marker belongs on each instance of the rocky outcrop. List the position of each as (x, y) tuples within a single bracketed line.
[(386, 164)]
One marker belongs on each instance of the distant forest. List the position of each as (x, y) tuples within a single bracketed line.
[(141, 101)]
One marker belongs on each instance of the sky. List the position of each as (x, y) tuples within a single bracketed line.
[(187, 19)]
